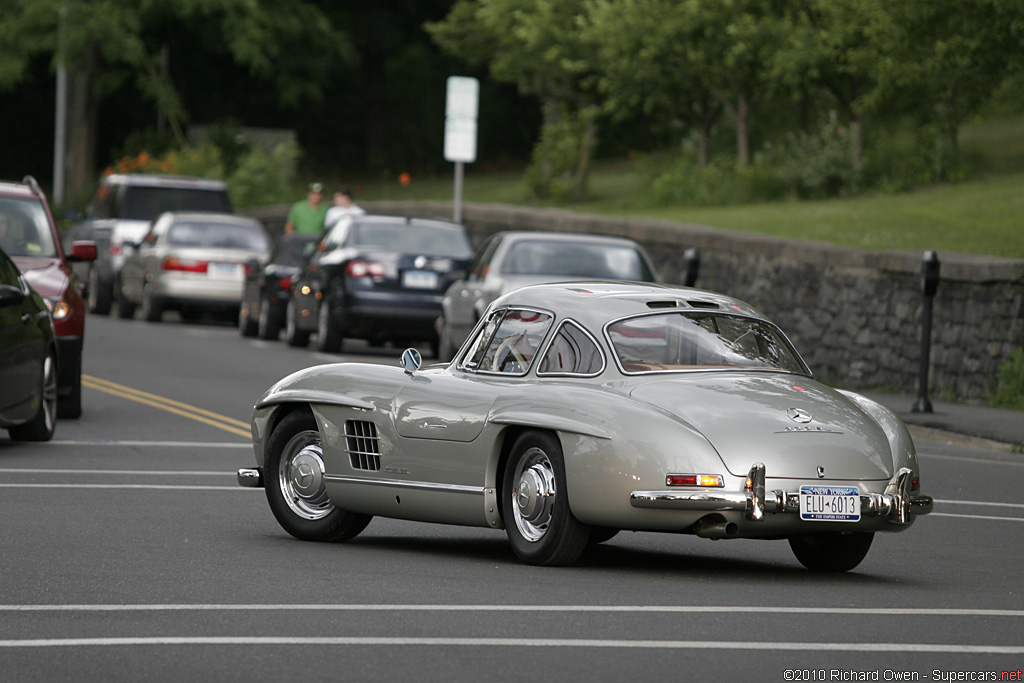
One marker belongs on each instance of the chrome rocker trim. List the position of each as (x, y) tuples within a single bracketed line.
[(250, 477), (896, 504)]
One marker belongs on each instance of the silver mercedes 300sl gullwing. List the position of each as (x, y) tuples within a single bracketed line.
[(576, 410)]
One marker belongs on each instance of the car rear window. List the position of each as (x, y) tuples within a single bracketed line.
[(701, 341), (218, 236), (25, 229), (601, 261), (146, 203), (432, 240)]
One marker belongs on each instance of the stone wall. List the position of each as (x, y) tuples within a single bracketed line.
[(854, 315)]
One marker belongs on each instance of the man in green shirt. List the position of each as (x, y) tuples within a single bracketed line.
[(307, 215)]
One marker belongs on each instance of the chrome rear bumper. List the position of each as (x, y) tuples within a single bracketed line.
[(896, 504)]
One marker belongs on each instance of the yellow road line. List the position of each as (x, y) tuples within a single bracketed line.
[(178, 408)]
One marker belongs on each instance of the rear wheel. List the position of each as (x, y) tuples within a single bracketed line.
[(45, 421), (328, 336), (535, 503), (831, 552), (292, 334), (294, 480), (267, 327), (100, 297), (125, 308), (152, 305)]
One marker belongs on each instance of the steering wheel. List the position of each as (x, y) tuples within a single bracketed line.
[(507, 353)]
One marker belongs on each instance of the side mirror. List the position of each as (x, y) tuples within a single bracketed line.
[(411, 361), (10, 296)]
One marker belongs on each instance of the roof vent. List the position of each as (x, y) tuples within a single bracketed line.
[(672, 303), (703, 304)]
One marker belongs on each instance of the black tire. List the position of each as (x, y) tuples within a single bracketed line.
[(100, 297), (328, 336), (69, 400), (44, 423), (292, 334), (293, 478), (152, 305), (247, 327), (831, 552), (267, 328), (535, 503), (125, 308)]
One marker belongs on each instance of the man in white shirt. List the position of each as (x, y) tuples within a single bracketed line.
[(343, 206)]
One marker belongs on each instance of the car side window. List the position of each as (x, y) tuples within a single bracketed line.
[(509, 341), (572, 352)]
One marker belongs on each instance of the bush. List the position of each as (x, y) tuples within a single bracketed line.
[(686, 182), (815, 165), (1009, 391), (556, 158), (911, 158), (263, 179)]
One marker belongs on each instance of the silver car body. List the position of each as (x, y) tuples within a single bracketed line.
[(219, 257), (513, 259), (439, 436)]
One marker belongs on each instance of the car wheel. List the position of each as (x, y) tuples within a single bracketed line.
[(535, 504), (268, 328), (247, 327), (328, 337), (831, 552), (152, 306), (45, 421), (292, 334), (100, 297), (125, 308), (294, 477), (69, 402)]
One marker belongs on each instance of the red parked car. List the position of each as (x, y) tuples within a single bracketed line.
[(29, 236)]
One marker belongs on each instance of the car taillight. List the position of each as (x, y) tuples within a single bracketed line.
[(284, 284), (915, 484), (358, 269), (184, 265), (701, 480), (115, 249)]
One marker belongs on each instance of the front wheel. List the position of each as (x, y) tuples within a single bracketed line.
[(831, 552), (292, 334), (42, 426), (535, 503), (294, 477)]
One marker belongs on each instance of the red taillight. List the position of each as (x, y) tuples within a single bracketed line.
[(701, 480), (284, 284), (115, 249), (358, 269), (915, 484), (184, 265)]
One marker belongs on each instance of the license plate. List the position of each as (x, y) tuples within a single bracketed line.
[(225, 271), (829, 503), (419, 279)]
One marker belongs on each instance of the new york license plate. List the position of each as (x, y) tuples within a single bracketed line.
[(829, 504), (225, 271), (419, 279)]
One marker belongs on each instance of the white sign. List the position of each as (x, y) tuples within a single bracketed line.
[(462, 97)]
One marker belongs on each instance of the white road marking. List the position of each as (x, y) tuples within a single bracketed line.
[(998, 519), (570, 609), (979, 502), (164, 473), (943, 648), (155, 444), (976, 461), (166, 487)]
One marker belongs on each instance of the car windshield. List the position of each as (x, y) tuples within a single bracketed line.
[(25, 229), (430, 240), (701, 341), (602, 261), (146, 203), (218, 236)]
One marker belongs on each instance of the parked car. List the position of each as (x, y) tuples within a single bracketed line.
[(379, 278), (120, 214), (266, 290), (28, 359), (29, 236), (508, 260), (191, 262), (579, 409)]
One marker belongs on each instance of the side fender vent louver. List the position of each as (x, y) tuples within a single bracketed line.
[(362, 445)]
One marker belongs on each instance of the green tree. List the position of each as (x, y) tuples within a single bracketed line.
[(106, 43)]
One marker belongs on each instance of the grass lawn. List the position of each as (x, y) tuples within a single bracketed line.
[(984, 216)]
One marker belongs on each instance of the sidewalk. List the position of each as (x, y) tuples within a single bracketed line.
[(983, 422)]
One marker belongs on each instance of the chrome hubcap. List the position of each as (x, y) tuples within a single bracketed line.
[(301, 474), (533, 499)]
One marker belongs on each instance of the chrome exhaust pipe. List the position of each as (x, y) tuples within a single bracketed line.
[(716, 529)]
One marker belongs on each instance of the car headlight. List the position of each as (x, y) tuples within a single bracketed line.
[(59, 308)]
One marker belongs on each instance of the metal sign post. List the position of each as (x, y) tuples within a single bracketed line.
[(461, 102)]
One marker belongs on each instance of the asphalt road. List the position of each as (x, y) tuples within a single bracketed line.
[(128, 553)]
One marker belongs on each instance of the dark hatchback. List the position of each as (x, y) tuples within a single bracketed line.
[(379, 278), (266, 290), (28, 359), (29, 236)]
